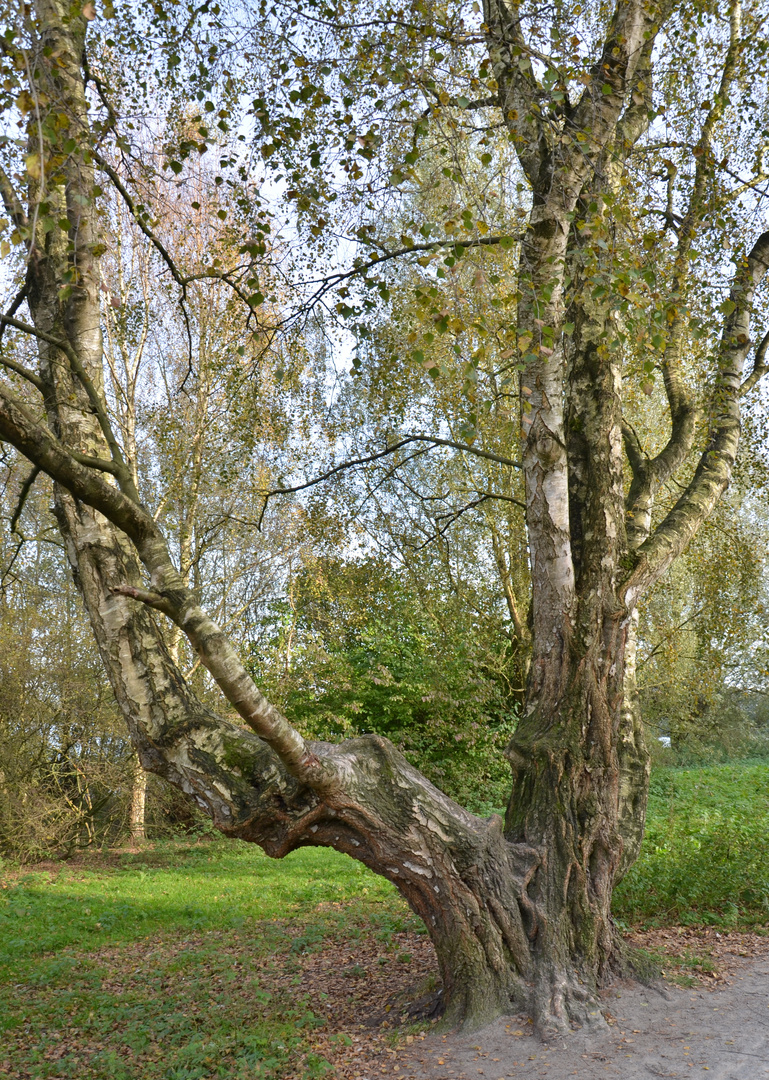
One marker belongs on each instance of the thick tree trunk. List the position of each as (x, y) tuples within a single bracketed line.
[(567, 804)]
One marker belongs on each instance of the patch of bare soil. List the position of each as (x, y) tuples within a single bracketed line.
[(717, 1027), (716, 1024)]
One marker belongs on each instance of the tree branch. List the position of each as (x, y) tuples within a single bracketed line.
[(434, 441), (25, 373), (519, 91), (90, 462), (38, 444), (333, 280), (19, 369), (150, 234), (684, 413), (717, 461), (145, 596), (26, 487), (16, 303), (633, 449), (760, 366), (13, 207), (119, 467)]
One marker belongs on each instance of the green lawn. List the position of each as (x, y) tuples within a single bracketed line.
[(179, 963), (182, 963), (215, 885), (705, 858)]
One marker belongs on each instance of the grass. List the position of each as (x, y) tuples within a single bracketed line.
[(176, 964), (190, 961), (186, 887), (705, 859)]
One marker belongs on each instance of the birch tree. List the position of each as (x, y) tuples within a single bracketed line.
[(608, 282)]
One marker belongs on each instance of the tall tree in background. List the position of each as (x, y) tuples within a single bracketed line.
[(518, 909)]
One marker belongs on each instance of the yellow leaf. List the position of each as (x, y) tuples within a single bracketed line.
[(33, 166), (25, 102)]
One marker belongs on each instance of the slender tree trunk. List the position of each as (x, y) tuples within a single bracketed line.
[(138, 803)]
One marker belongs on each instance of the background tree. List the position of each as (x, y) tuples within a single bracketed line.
[(64, 755)]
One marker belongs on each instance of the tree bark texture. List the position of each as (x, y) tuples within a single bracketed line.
[(138, 803), (518, 910)]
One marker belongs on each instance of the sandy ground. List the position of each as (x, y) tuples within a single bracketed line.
[(659, 1031)]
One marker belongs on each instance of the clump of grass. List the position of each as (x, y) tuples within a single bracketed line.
[(646, 965), (705, 859)]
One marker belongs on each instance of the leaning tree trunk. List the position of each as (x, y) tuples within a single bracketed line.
[(518, 911)]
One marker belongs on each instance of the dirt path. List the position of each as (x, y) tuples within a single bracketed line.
[(653, 1032)]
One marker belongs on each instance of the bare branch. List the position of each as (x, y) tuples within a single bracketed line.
[(26, 487)]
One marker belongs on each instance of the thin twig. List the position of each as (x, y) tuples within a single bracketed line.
[(26, 487)]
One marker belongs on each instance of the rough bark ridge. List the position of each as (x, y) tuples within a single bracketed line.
[(519, 910)]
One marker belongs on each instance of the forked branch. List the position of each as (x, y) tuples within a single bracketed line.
[(717, 461)]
